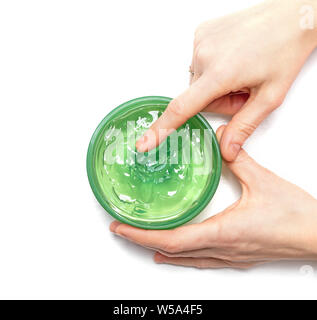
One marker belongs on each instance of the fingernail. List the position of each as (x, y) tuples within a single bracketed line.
[(141, 144), (158, 258), (234, 150), (147, 142), (114, 225)]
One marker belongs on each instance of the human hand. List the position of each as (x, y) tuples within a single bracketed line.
[(258, 52), (273, 220)]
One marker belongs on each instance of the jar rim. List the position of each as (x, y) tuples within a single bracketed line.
[(190, 213)]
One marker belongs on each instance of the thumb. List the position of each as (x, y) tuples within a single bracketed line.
[(243, 167), (243, 124), (193, 100)]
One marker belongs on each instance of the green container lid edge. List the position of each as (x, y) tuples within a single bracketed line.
[(209, 193)]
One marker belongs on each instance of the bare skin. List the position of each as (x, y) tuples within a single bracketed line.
[(273, 220), (259, 52), (243, 65)]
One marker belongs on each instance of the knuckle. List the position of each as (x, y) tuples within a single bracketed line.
[(197, 38), (172, 247), (167, 254), (176, 108), (245, 128), (199, 29), (201, 54), (197, 32), (222, 77), (273, 99)]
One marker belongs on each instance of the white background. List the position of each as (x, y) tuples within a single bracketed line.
[(63, 66)]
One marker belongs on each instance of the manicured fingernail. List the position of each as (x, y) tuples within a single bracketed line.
[(234, 150)]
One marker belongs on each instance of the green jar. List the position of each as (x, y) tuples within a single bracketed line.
[(160, 189)]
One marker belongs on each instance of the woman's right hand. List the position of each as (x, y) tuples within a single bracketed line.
[(258, 52)]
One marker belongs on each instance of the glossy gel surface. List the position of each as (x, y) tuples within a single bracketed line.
[(160, 189)]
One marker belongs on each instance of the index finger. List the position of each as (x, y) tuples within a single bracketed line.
[(201, 93)]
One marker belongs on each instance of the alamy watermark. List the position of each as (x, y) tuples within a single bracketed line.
[(307, 17), (307, 271), (184, 146)]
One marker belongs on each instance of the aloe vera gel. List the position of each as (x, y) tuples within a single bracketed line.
[(159, 189)]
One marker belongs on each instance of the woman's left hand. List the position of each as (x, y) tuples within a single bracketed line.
[(273, 220)]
